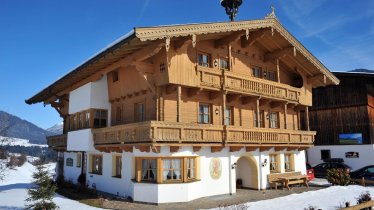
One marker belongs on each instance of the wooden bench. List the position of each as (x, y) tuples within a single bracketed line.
[(287, 179)]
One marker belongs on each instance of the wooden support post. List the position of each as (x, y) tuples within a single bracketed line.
[(278, 75), (223, 107), (298, 120), (285, 116), (157, 103), (258, 112), (229, 54), (307, 118), (179, 102)]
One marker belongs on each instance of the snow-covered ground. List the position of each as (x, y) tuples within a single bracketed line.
[(13, 190), (18, 142), (330, 198)]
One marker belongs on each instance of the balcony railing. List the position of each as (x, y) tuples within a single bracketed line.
[(168, 132), (57, 142), (214, 79)]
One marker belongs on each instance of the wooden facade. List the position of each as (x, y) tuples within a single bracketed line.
[(238, 84), (344, 109)]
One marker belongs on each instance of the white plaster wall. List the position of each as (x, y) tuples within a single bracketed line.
[(71, 173), (90, 95), (105, 182), (181, 192), (80, 140), (366, 154), (300, 161), (80, 99)]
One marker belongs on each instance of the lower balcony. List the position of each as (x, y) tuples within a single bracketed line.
[(58, 142), (160, 132)]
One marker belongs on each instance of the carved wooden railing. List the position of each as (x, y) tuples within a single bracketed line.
[(57, 142), (168, 132), (211, 78)]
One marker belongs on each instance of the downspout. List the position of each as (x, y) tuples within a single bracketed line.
[(260, 170), (230, 175)]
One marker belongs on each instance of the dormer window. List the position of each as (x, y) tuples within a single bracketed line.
[(204, 59)]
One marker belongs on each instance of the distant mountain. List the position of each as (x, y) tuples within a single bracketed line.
[(13, 126), (362, 70), (56, 129)]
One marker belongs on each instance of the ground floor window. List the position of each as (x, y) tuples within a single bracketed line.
[(288, 162), (325, 154), (274, 163), (96, 164), (166, 169), (117, 166)]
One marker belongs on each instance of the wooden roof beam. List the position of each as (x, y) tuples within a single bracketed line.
[(279, 53), (275, 104), (182, 44), (228, 39), (313, 79), (252, 37), (193, 91)]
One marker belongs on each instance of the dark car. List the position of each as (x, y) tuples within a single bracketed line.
[(320, 170), (366, 172)]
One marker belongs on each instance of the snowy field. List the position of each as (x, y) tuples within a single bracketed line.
[(13, 192), (18, 142)]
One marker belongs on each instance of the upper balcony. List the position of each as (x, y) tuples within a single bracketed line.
[(234, 82), (160, 132), (58, 142)]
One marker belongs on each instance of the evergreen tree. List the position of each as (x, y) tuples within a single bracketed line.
[(41, 194)]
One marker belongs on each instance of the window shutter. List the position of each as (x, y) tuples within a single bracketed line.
[(292, 161), (138, 169), (277, 160)]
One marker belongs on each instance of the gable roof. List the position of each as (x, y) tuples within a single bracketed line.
[(143, 36)]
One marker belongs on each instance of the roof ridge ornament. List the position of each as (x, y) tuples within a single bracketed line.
[(271, 14)]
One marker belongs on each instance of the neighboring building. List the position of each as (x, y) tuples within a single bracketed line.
[(343, 117), (175, 113)]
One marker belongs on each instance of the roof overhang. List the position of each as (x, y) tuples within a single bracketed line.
[(143, 36)]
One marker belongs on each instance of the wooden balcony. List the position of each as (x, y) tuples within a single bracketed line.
[(215, 79), (58, 142), (160, 132)]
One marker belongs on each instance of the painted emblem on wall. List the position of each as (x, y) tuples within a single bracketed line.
[(215, 168)]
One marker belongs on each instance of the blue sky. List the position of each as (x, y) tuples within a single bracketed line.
[(42, 40)]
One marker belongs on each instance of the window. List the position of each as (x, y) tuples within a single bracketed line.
[(257, 72), (269, 75), (74, 122), (228, 116), (87, 119), (139, 112), (288, 162), (224, 63), (114, 76), (171, 169), (97, 164), (149, 170), (204, 60), (273, 120), (325, 154), (100, 118), (261, 122), (204, 113), (80, 120), (79, 159), (191, 168), (117, 166), (273, 163)]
